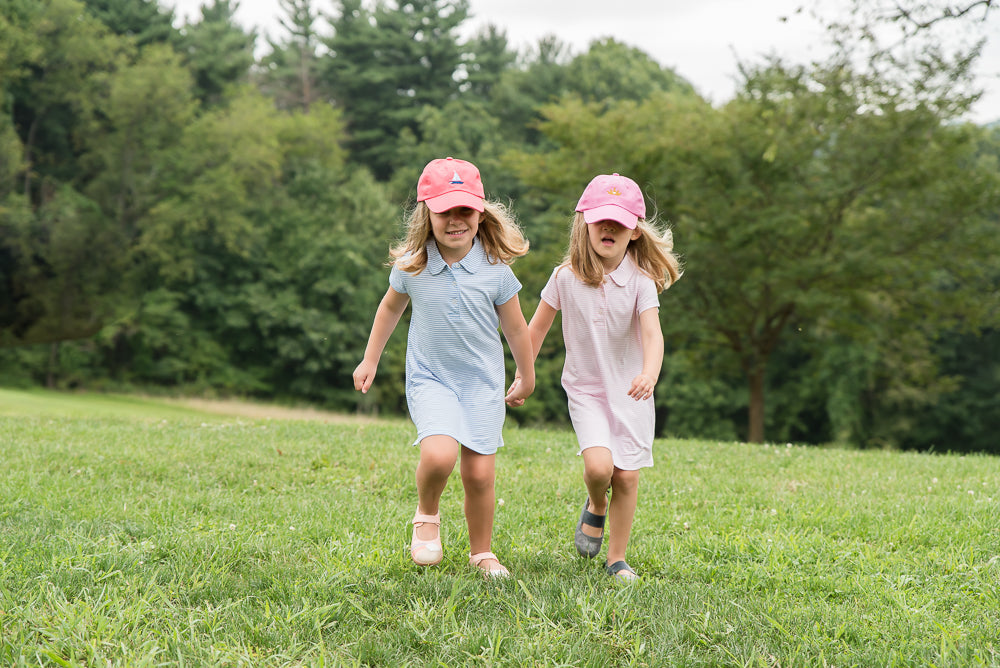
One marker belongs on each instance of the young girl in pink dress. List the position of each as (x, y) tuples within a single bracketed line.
[(607, 289)]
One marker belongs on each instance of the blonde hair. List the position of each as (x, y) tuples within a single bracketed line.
[(499, 233), (652, 252)]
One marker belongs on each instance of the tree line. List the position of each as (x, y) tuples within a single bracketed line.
[(179, 214)]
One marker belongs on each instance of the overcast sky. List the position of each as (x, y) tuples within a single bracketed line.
[(701, 40)]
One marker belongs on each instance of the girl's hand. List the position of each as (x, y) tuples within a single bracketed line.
[(642, 387), (364, 376), (518, 391)]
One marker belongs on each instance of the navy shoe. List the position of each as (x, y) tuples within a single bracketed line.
[(621, 572)]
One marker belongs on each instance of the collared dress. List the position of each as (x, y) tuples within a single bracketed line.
[(603, 355), (454, 357)]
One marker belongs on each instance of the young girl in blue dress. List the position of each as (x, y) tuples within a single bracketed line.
[(454, 266)]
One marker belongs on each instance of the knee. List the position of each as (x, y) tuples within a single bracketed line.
[(625, 482), (437, 461), (599, 472), (477, 481)]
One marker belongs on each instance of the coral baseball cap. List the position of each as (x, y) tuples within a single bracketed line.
[(447, 183), (612, 197)]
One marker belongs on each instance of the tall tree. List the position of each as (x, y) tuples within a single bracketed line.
[(538, 79), (50, 232), (608, 71), (611, 70), (54, 85), (15, 233), (385, 64), (800, 201), (834, 197), (289, 72), (135, 125), (488, 56), (912, 41), (218, 50), (145, 21)]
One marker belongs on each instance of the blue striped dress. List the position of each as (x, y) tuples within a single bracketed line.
[(454, 356)]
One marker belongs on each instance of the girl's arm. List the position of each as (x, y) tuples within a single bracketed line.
[(540, 324), (390, 309), (652, 354), (537, 329), (515, 330)]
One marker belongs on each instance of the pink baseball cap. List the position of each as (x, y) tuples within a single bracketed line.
[(612, 197), (447, 183)]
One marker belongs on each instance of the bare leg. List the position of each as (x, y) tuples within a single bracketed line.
[(478, 479), (438, 455), (598, 469), (624, 497)]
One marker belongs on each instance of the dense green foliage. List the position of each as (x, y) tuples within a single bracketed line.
[(178, 215), (141, 534)]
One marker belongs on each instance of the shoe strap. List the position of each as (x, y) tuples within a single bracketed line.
[(420, 518), (618, 567), (590, 519), (475, 559)]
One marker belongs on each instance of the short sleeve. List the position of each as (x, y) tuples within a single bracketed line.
[(397, 280), (647, 296), (509, 286), (550, 293)]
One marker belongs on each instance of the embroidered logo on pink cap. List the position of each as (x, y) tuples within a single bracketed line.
[(448, 183), (612, 197)]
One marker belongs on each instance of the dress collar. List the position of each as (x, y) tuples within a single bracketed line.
[(472, 261), (624, 272)]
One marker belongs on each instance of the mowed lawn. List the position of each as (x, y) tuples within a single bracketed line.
[(139, 532)]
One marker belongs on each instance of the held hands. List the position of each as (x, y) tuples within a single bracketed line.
[(364, 376), (642, 387), (519, 391)]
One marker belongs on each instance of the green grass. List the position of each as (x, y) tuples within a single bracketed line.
[(137, 533)]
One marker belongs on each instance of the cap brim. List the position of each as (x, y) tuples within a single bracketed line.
[(455, 198), (611, 212)]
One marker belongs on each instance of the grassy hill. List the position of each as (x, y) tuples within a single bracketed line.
[(139, 532)]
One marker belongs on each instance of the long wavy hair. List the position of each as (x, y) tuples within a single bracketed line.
[(499, 233), (652, 252)]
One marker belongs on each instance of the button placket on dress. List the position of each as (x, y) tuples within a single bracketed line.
[(454, 309), (600, 314)]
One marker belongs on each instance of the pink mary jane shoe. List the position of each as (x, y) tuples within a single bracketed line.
[(497, 571), (426, 552)]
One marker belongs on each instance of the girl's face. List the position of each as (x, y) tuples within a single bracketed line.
[(610, 240), (454, 231)]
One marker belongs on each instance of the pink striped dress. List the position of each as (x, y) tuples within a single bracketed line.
[(603, 354)]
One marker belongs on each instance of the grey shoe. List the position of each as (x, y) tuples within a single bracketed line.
[(588, 546), (621, 572)]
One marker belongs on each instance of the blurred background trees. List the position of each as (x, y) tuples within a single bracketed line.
[(180, 215)]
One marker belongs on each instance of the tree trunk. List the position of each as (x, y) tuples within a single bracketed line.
[(756, 417)]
